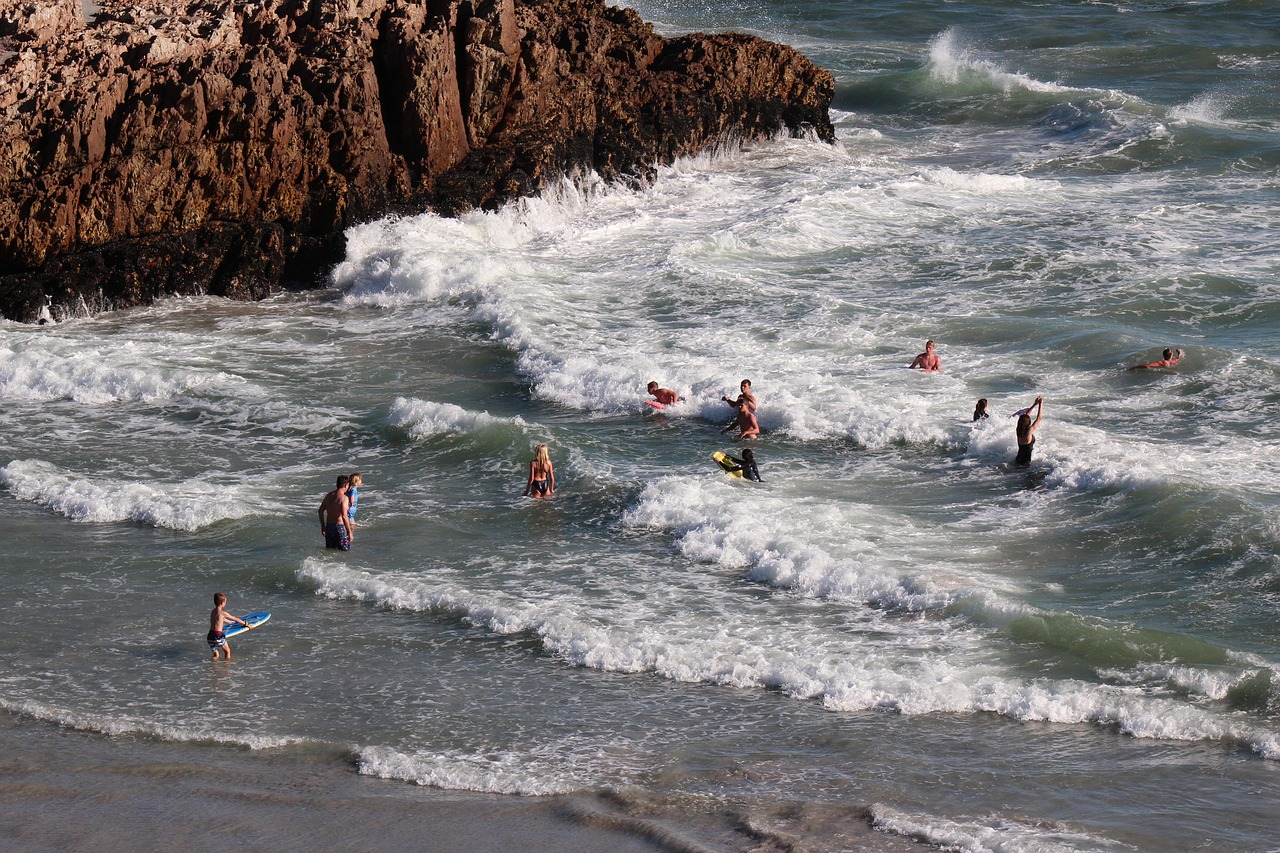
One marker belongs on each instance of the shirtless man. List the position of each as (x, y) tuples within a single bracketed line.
[(1026, 431), (748, 426), (745, 397), (928, 360), (1169, 360), (337, 528), (665, 396)]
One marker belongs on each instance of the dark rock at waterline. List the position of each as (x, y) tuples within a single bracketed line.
[(211, 146)]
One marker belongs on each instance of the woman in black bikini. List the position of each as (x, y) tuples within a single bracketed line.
[(1026, 430), (542, 475)]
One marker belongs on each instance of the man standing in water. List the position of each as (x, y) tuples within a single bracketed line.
[(745, 398), (1026, 431), (335, 519), (745, 417), (748, 426), (928, 360)]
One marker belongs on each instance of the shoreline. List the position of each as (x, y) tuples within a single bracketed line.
[(72, 790)]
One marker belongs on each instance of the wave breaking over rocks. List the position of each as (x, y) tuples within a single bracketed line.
[(216, 147)]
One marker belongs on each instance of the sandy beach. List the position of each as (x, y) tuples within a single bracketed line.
[(69, 790)]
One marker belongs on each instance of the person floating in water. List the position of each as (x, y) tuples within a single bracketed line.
[(335, 519), (745, 422), (542, 475), (1169, 359), (1026, 431), (745, 398), (665, 396), (219, 617), (980, 411), (747, 464), (928, 360)]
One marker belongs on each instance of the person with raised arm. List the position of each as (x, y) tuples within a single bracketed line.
[(1168, 359), (1026, 431), (745, 397)]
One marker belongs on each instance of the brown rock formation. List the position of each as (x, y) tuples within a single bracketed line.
[(210, 146)]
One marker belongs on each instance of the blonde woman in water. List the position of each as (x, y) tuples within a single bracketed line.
[(542, 475)]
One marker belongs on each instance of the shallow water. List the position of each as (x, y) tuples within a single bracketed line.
[(1076, 656)]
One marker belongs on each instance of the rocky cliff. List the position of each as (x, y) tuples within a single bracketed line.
[(211, 146)]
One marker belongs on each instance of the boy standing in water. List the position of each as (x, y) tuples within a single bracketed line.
[(217, 618), (353, 495)]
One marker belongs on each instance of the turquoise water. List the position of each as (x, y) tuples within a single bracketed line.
[(1081, 655)]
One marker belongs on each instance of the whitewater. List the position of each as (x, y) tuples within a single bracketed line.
[(1078, 655)]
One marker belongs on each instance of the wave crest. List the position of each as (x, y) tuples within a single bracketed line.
[(187, 506)]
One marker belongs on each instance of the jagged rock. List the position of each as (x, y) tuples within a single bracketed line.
[(39, 21), (211, 146)]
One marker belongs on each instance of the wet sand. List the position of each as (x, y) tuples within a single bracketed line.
[(69, 790)]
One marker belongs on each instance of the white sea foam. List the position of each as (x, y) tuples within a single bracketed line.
[(992, 834), (561, 344), (190, 505), (501, 773), (845, 554), (840, 672), (589, 339), (619, 638), (954, 63), (1206, 109), (424, 418), (834, 554), (1044, 235), (42, 370), (1004, 192), (1211, 683), (121, 724)]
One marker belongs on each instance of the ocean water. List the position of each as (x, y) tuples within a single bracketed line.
[(1079, 655)]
